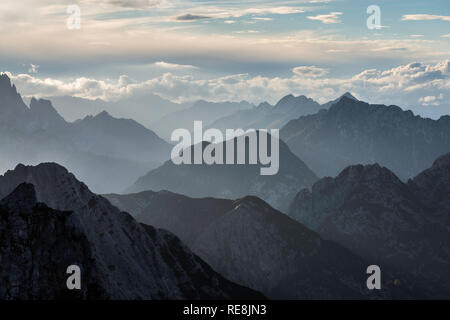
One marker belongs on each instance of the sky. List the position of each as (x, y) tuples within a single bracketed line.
[(230, 50)]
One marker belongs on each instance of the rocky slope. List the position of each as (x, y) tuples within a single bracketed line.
[(354, 132), (390, 223), (120, 258), (255, 245)]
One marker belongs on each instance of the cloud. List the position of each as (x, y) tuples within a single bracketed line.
[(432, 100), (420, 17), (262, 19), (33, 68), (309, 71), (333, 17), (191, 17), (173, 66), (414, 84), (446, 35), (134, 4)]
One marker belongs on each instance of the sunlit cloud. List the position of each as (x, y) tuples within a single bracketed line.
[(333, 17), (419, 17)]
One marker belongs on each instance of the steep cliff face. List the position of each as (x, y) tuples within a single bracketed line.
[(401, 226), (122, 259)]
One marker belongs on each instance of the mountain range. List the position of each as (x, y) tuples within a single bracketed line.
[(49, 221), (201, 110), (105, 152), (370, 211), (266, 116), (354, 132), (282, 258), (231, 181)]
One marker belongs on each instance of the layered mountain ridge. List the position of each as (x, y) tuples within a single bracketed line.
[(354, 132), (119, 258), (105, 152), (234, 180), (369, 210)]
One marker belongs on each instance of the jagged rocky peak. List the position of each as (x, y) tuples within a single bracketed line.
[(44, 113), (6, 87), (54, 184), (291, 99), (120, 258), (10, 99), (41, 105)]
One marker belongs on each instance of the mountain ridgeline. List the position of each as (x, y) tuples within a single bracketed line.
[(354, 132), (232, 181), (49, 221), (369, 210), (282, 258), (105, 152)]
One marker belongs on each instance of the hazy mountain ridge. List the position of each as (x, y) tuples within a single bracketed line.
[(231, 181), (266, 116), (369, 210), (120, 258), (251, 243), (107, 153), (354, 132), (204, 111)]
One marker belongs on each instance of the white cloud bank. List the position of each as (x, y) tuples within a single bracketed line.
[(414, 84)]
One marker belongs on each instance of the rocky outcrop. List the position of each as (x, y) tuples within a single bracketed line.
[(120, 258)]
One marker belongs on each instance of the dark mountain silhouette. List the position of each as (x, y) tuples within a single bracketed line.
[(354, 132), (231, 181), (255, 245), (399, 225), (49, 220), (105, 152)]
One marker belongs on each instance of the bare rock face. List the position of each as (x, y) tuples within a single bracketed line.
[(390, 223), (119, 257), (38, 244), (255, 245)]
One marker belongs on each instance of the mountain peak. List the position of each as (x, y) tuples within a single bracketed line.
[(10, 100), (103, 115), (23, 197), (443, 160), (367, 172), (251, 202), (5, 81), (349, 96), (289, 99)]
